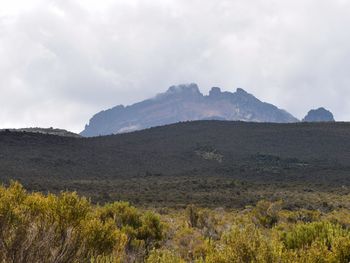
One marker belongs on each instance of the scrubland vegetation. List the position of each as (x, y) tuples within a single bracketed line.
[(206, 163), (68, 228), (259, 193)]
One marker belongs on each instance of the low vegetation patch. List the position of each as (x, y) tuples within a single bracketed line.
[(68, 228)]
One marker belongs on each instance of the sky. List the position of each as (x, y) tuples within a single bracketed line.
[(63, 61)]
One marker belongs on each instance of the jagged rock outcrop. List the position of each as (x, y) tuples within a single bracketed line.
[(319, 115), (185, 103)]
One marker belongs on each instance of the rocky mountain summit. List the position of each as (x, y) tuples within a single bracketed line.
[(319, 115), (185, 103)]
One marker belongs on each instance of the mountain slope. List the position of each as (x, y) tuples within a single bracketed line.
[(51, 131), (185, 103), (199, 161)]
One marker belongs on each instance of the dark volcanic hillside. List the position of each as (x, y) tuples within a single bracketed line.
[(185, 103), (182, 162), (51, 131)]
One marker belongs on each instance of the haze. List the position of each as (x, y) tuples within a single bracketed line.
[(63, 61)]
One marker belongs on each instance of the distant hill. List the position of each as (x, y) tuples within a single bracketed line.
[(51, 131), (206, 162), (185, 103), (319, 115)]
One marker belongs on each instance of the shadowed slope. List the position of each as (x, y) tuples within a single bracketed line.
[(198, 154)]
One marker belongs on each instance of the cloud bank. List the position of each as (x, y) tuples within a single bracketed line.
[(63, 61)]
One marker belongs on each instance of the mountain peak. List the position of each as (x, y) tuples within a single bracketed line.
[(188, 89), (214, 92), (241, 91), (319, 115), (243, 95), (185, 102)]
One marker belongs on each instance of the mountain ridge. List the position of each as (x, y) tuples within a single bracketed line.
[(49, 131), (185, 102)]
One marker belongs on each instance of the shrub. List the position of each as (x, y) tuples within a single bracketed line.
[(190, 244), (303, 235), (192, 215), (68, 228), (37, 228), (266, 213), (242, 244), (164, 256)]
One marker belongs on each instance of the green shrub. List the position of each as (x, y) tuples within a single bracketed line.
[(242, 244), (303, 235), (68, 228), (37, 228), (266, 213), (164, 256)]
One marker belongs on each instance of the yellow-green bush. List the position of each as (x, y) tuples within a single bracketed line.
[(266, 213), (303, 235), (68, 228), (164, 256), (189, 243), (317, 242), (243, 244)]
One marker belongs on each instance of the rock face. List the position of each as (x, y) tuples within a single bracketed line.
[(185, 103), (319, 115)]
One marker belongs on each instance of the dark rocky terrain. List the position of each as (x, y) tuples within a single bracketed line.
[(51, 131), (185, 103), (206, 162)]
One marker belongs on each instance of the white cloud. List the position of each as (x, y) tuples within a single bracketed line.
[(62, 61)]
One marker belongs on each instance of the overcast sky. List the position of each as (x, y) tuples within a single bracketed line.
[(62, 61)]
